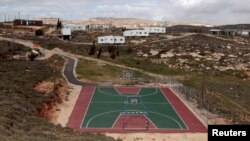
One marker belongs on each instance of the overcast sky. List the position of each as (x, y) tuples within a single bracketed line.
[(201, 11)]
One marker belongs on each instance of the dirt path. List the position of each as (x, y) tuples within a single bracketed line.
[(67, 106), (160, 137), (236, 40), (175, 37)]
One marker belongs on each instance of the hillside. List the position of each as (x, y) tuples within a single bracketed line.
[(22, 114), (122, 21)]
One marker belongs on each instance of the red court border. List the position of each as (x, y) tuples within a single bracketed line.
[(133, 121), (128, 90), (192, 122)]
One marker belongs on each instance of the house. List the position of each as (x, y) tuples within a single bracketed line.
[(230, 32), (160, 30), (99, 26), (111, 40), (74, 27), (136, 33), (23, 22), (215, 31), (66, 33), (245, 32)]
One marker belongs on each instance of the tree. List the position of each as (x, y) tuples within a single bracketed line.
[(129, 50), (99, 53), (113, 54), (117, 52), (39, 32), (59, 24), (110, 49)]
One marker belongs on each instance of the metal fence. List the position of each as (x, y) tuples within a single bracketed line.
[(205, 109)]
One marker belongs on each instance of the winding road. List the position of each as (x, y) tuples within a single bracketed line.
[(70, 75), (70, 65), (69, 71)]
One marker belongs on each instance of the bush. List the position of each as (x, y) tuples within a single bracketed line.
[(39, 32)]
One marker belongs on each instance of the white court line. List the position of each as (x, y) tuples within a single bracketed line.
[(104, 93), (100, 115), (135, 128), (128, 93), (116, 120), (87, 108), (173, 108), (109, 102), (121, 95), (167, 117), (154, 93)]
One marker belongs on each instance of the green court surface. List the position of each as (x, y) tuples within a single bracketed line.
[(107, 104)]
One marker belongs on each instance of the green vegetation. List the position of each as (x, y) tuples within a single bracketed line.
[(93, 71), (20, 104), (228, 94), (98, 72)]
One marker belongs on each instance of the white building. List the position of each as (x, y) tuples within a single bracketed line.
[(245, 32), (215, 31), (111, 40), (99, 26), (155, 29), (66, 33), (74, 27), (136, 33)]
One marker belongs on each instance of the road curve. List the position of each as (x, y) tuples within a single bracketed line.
[(69, 72), (69, 68)]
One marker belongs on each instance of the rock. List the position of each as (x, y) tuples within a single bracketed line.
[(154, 52), (232, 56), (139, 53), (167, 55), (197, 59), (145, 55), (195, 55)]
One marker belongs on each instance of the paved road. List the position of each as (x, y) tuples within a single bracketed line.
[(69, 72)]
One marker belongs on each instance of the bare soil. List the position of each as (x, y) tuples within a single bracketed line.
[(160, 137)]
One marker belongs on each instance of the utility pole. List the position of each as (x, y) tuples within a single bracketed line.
[(203, 82), (54, 86)]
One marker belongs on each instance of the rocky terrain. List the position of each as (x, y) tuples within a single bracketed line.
[(24, 109), (190, 52)]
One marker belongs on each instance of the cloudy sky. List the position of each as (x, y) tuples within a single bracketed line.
[(202, 11)]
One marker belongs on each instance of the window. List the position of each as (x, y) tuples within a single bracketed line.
[(121, 39), (101, 39), (145, 32)]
